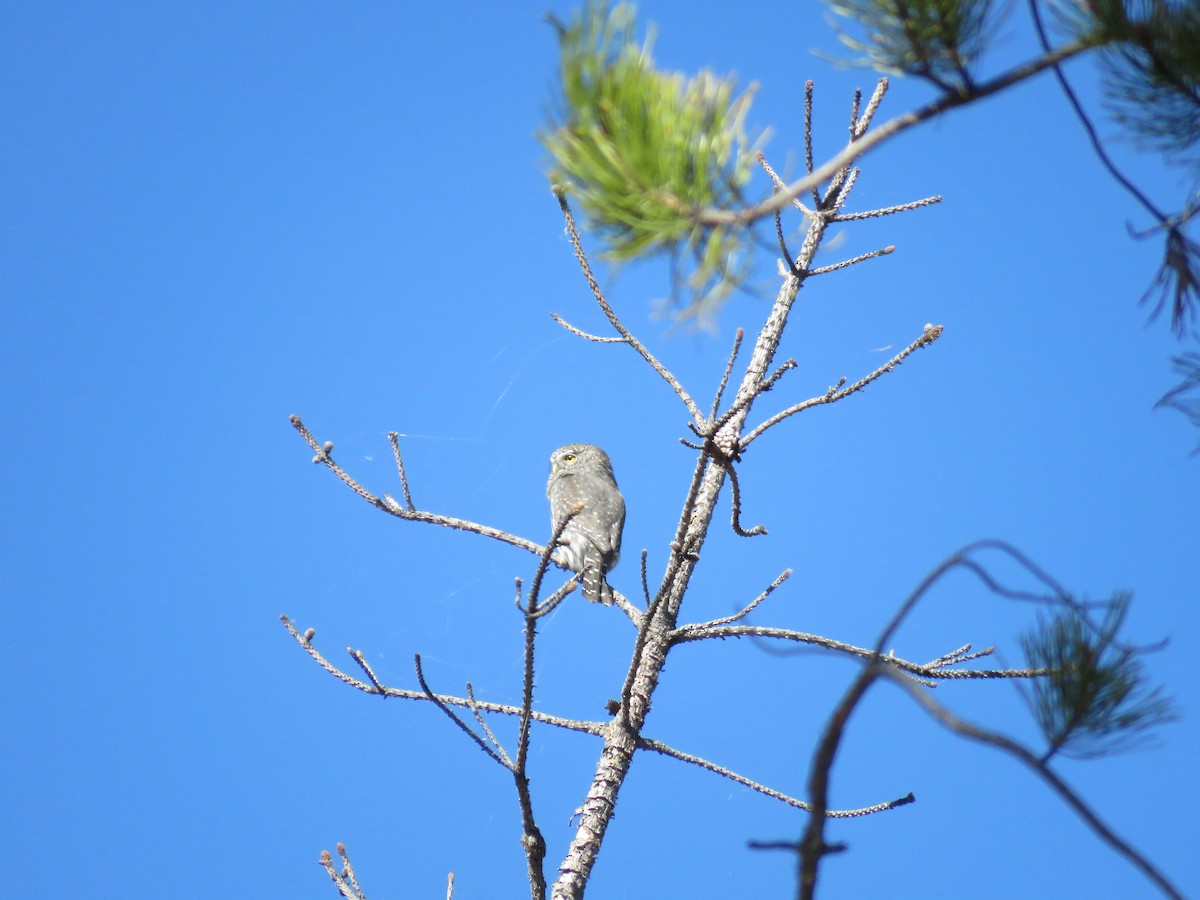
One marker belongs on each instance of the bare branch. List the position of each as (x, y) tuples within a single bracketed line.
[(531, 837), (1042, 770), (665, 750), (728, 620), (645, 583), (394, 438), (930, 334), (622, 603), (861, 126), (779, 236), (808, 143), (362, 663), (737, 344), (454, 717), (345, 881), (735, 519), (487, 729), (388, 505), (587, 336), (577, 244), (500, 708), (843, 183), (782, 241), (934, 670), (744, 399), (846, 263), (961, 655), (551, 603), (887, 210), (348, 870)]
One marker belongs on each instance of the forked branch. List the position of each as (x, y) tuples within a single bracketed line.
[(324, 454), (930, 334), (344, 880), (626, 335)]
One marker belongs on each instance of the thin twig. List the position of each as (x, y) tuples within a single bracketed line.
[(688, 634), (581, 257), (779, 182), (348, 869), (324, 456), (745, 611), (645, 582), (587, 336), (928, 336), (737, 344), (748, 397), (487, 730), (665, 750), (365, 666), (824, 270), (454, 717), (347, 888), (551, 603), (808, 143), (877, 95), (843, 188), (394, 438), (961, 655), (779, 236), (887, 210), (531, 837), (735, 518)]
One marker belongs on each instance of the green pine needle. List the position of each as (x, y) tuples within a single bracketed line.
[(642, 151), (1095, 699)]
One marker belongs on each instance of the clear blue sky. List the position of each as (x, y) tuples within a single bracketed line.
[(216, 215)]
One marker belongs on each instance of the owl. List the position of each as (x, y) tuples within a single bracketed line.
[(591, 542)]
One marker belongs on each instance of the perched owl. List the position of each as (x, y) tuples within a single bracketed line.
[(591, 542)]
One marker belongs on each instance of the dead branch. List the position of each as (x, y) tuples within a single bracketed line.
[(928, 335), (626, 336), (659, 747), (388, 505), (580, 725), (931, 670), (454, 717), (345, 881), (745, 611)]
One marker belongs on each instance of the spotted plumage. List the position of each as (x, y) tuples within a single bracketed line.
[(591, 542)]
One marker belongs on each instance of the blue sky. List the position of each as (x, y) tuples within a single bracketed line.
[(217, 215)]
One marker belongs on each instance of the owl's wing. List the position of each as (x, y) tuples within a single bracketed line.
[(614, 530)]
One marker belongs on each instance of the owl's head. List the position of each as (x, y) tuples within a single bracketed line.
[(579, 458)]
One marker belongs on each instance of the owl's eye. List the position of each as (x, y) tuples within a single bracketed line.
[(570, 457)]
